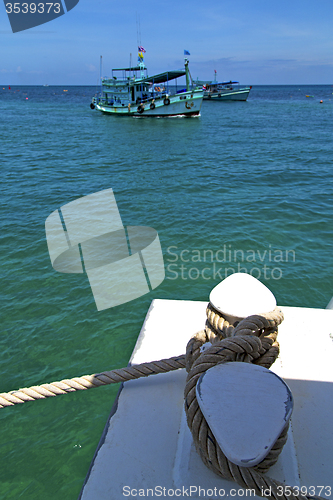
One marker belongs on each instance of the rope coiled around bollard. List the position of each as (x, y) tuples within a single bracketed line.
[(253, 340)]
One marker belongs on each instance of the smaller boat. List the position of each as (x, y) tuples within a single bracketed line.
[(224, 91), (135, 93)]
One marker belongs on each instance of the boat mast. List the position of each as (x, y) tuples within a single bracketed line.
[(186, 53), (187, 75)]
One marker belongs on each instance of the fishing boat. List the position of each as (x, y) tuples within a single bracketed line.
[(147, 448), (224, 91), (130, 91)]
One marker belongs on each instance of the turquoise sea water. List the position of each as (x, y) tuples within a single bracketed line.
[(246, 186)]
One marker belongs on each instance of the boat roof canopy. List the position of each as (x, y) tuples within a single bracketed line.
[(220, 83), (163, 77), (133, 68), (159, 78)]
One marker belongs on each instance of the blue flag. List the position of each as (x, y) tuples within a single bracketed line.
[(186, 53)]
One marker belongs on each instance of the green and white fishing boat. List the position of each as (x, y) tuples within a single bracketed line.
[(224, 91), (137, 94)]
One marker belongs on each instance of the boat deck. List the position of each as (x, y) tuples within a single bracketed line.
[(146, 449)]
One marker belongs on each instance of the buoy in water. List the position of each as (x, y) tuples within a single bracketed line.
[(321, 102)]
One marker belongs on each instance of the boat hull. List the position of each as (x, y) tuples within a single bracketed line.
[(188, 104), (227, 95), (161, 452)]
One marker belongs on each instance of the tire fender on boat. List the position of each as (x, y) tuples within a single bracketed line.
[(92, 105), (141, 108), (166, 101), (152, 105)]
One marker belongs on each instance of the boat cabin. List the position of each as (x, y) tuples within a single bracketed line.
[(216, 86)]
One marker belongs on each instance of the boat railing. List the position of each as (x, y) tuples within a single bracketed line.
[(146, 98)]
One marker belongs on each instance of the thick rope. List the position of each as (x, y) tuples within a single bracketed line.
[(253, 340), (109, 377), (90, 381)]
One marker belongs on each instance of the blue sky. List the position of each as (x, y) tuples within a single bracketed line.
[(255, 42)]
